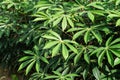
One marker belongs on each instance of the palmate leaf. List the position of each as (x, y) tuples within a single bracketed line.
[(118, 22), (96, 73), (50, 44), (55, 34), (56, 49), (24, 64), (76, 35), (25, 58), (51, 77), (117, 61), (87, 36), (91, 16), (29, 52), (97, 35), (100, 58), (115, 52), (70, 21), (117, 46), (72, 47), (57, 21), (64, 23), (77, 57), (110, 58), (50, 37), (97, 5), (87, 58), (65, 52), (44, 59), (29, 67), (37, 66), (115, 41), (108, 42)]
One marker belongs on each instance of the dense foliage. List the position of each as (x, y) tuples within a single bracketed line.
[(61, 39)]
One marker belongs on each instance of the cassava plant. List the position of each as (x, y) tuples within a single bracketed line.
[(61, 39)]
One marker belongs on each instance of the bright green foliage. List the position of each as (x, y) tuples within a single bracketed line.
[(61, 39)]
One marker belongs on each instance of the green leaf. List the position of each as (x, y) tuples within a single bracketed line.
[(115, 41), (64, 23), (25, 58), (87, 36), (51, 77), (85, 73), (76, 35), (115, 46), (70, 75), (97, 50), (44, 59), (65, 52), (87, 58), (72, 48), (57, 21), (56, 50), (97, 35), (74, 29), (91, 16), (116, 61), (77, 57), (50, 37), (24, 64), (118, 22), (29, 67), (96, 73), (65, 71), (109, 41), (117, 2), (37, 66), (39, 19), (29, 52), (70, 22), (115, 52), (50, 44), (55, 34), (57, 73), (110, 58), (100, 58)]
